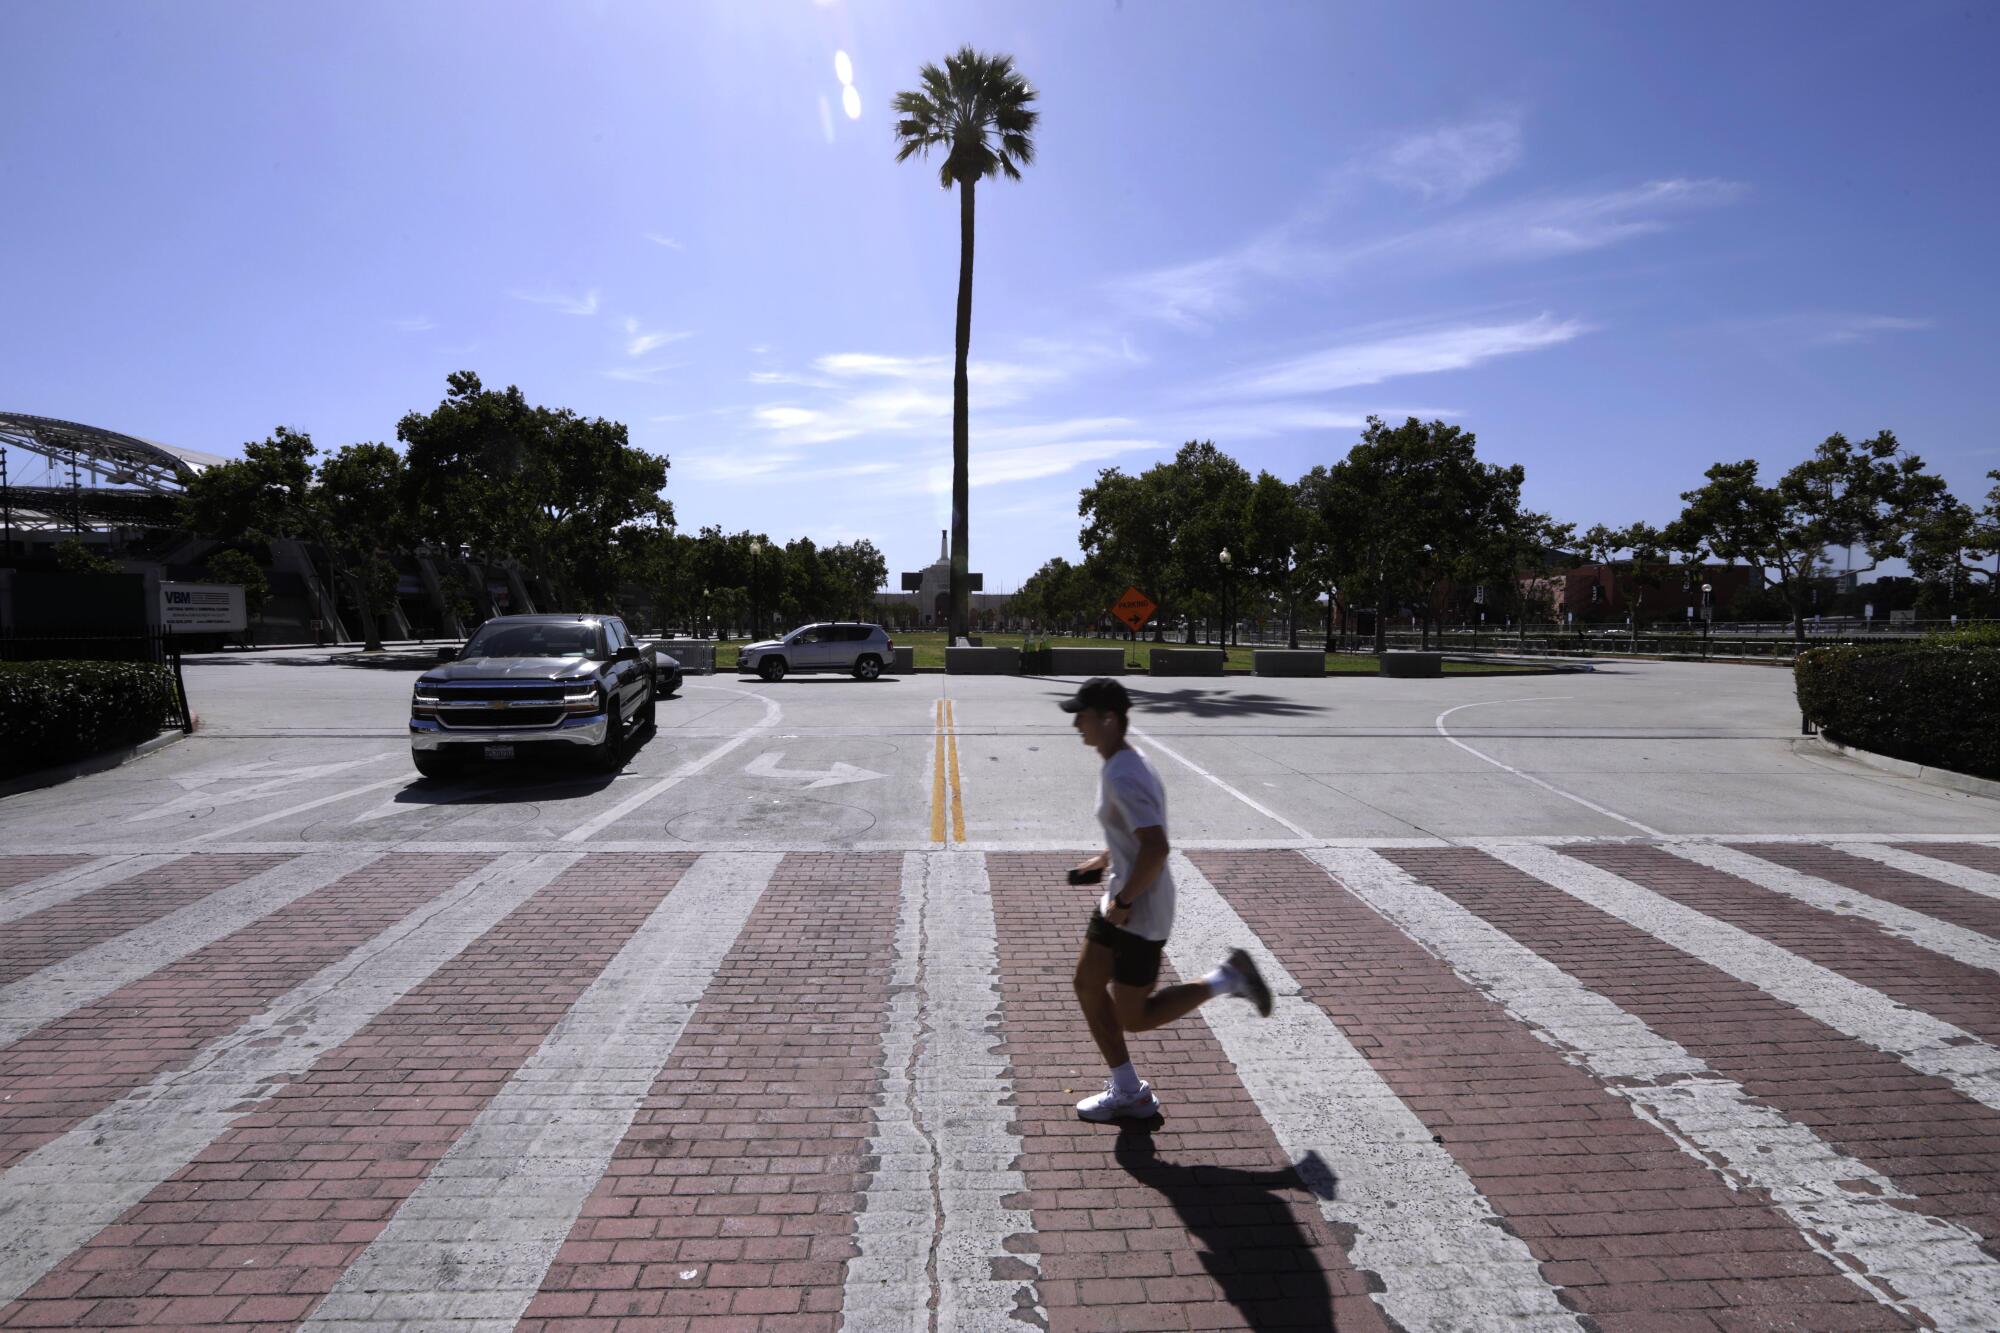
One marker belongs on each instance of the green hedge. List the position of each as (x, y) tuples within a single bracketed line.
[(1933, 703), (53, 712)]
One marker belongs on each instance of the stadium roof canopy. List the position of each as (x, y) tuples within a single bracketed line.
[(109, 455)]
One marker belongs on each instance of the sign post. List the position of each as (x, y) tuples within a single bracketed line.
[(1134, 608)]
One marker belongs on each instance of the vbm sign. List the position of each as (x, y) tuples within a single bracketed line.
[(201, 606)]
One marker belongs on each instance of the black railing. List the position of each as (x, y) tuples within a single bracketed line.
[(148, 645)]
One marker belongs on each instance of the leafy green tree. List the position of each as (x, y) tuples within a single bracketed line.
[(357, 513), (975, 112), (233, 566), (73, 557), (1870, 495), (261, 496), (1128, 528), (1651, 556), (1276, 532)]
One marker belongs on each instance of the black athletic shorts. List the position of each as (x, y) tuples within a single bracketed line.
[(1135, 960)]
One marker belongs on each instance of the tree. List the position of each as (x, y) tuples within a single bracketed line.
[(1871, 495), (975, 112), (73, 557), (1950, 540), (1275, 532), (356, 512), (256, 498), (1647, 569), (1127, 527), (234, 566)]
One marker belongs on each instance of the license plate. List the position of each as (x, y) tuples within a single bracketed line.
[(499, 751)]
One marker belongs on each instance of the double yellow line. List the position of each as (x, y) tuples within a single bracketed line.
[(947, 764)]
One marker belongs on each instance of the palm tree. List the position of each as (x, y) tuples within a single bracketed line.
[(975, 111)]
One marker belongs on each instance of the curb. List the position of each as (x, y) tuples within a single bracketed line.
[(1963, 783), (96, 763)]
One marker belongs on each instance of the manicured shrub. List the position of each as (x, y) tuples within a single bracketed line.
[(1935, 702), (53, 712)]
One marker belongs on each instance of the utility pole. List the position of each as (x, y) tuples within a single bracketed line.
[(6, 507)]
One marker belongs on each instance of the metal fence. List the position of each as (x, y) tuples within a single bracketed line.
[(149, 645)]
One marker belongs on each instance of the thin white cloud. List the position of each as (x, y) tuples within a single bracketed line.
[(1839, 330), (638, 342), (1425, 352), (1190, 295), (417, 324), (1450, 162), (652, 374), (586, 304), (667, 241), (785, 377)]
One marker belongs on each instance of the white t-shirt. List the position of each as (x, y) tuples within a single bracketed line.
[(1129, 798)]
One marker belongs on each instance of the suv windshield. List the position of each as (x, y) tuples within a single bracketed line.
[(533, 641)]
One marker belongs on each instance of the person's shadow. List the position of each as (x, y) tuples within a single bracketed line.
[(1251, 1242)]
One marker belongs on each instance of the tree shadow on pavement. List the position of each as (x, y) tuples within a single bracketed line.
[(1250, 1238), (365, 661), (1216, 703)]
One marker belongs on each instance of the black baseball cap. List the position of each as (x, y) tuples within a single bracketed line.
[(1100, 694)]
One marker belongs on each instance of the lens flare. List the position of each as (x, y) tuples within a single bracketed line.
[(843, 68), (850, 102)]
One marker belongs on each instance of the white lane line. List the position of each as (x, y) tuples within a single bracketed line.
[(59, 1196), (204, 797), (1981, 882), (1926, 932), (1264, 810), (933, 1227), (86, 977), (772, 712), (1927, 1045), (1438, 722), (471, 1245), (299, 809), (1420, 1225), (1853, 1215), (53, 890)]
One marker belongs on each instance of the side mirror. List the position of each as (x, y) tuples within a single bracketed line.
[(447, 655), (628, 653)]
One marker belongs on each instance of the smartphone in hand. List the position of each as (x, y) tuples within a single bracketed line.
[(1092, 876)]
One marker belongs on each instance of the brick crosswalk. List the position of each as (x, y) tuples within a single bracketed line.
[(1654, 1084)]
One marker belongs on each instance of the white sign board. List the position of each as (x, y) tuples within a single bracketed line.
[(201, 607)]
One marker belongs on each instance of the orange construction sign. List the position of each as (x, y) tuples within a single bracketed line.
[(1135, 609)]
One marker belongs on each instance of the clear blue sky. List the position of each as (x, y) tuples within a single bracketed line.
[(1618, 243)]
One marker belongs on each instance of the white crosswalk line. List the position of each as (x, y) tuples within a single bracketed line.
[(1926, 1044), (39, 895), (59, 1196), (470, 1246), (1981, 882), (86, 977), (944, 1133), (1927, 932), (1852, 1214), (1420, 1224)]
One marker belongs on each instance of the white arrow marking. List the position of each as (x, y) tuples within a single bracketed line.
[(766, 766)]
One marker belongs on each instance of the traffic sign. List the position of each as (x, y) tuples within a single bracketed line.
[(1135, 609)]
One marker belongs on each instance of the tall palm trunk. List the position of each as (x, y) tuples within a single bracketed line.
[(961, 427)]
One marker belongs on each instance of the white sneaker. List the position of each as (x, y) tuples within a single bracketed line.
[(1114, 1105)]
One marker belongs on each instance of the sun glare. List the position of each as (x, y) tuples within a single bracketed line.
[(843, 68)]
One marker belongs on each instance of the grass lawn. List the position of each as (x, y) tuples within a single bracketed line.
[(930, 647)]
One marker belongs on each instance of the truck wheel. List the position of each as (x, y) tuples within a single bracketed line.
[(868, 667), (608, 755), (435, 764), (772, 668)]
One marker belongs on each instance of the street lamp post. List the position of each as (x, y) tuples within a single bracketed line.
[(756, 588), (1228, 621), (1707, 615)]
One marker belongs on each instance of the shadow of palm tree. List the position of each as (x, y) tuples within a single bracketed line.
[(1214, 703), (1251, 1243)]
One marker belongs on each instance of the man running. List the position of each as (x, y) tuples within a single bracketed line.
[(1128, 930)]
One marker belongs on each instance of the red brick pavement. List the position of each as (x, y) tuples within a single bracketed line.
[(258, 1227), (1977, 856), (1855, 947), (745, 1166), (33, 942), (71, 1068), (1198, 1223), (1946, 902), (20, 869), (1627, 1225), (1916, 1129)]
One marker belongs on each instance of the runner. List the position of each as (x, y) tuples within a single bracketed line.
[(1128, 930)]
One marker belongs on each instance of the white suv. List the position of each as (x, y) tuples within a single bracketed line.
[(862, 651)]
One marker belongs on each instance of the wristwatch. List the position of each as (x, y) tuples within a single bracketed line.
[(1120, 902)]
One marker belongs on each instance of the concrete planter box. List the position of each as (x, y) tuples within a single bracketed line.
[(1188, 661), (982, 661), (1412, 664), (905, 663), (1288, 662), (696, 656), (1086, 661)]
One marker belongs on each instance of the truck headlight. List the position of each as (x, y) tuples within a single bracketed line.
[(584, 701), (423, 702)]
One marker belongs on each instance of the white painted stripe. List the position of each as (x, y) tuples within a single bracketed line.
[(1981, 882), (1927, 932), (53, 890), (299, 809), (1264, 810), (772, 712), (1530, 777), (470, 1246), (206, 798), (1852, 1214), (59, 1196), (1926, 1044), (1420, 1225), (86, 977), (933, 1225)]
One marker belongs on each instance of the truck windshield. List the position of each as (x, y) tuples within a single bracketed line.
[(533, 641)]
